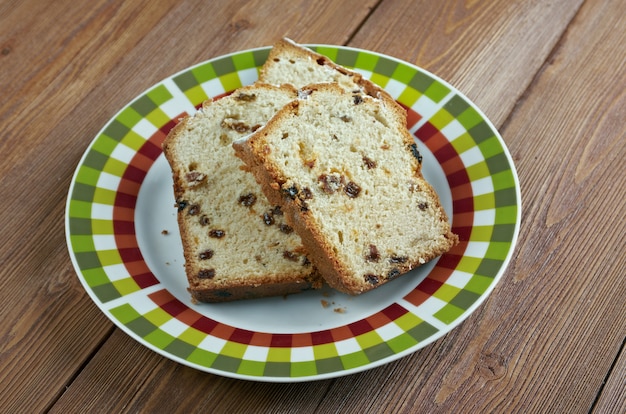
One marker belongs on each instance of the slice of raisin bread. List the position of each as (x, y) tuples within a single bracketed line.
[(346, 172), (292, 63), (236, 244)]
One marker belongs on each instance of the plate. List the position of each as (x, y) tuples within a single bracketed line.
[(123, 237)]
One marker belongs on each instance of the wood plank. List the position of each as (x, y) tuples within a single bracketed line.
[(486, 364), (537, 344), (114, 388), (532, 341), (59, 87), (143, 381), (612, 398), (49, 326), (489, 50)]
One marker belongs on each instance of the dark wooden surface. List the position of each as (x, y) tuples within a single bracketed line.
[(551, 75)]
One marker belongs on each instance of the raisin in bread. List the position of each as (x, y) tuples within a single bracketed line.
[(289, 62), (236, 244), (345, 170)]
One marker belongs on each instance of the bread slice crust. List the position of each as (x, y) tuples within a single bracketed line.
[(236, 245), (291, 63), (345, 171)]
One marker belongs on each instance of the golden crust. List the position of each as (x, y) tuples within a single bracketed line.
[(245, 291), (256, 152), (275, 281), (286, 47)]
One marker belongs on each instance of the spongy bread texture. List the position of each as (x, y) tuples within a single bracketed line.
[(346, 172), (236, 244), (292, 63)]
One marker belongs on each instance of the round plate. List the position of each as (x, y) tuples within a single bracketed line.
[(124, 243)]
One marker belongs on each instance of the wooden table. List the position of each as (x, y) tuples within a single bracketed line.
[(551, 75)]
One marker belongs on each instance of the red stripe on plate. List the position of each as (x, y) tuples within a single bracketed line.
[(462, 191), (449, 261), (301, 339), (429, 285), (130, 255), (261, 339), (281, 340), (161, 297), (124, 228), (124, 211), (394, 311), (440, 274), (134, 172), (446, 152), (129, 187), (322, 337), (417, 297), (173, 307), (463, 205), (464, 232), (426, 132), (242, 336), (342, 333), (145, 280), (137, 268), (205, 325), (459, 179), (412, 117), (125, 200), (150, 149), (360, 327)]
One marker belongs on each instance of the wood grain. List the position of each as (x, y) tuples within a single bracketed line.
[(134, 365), (551, 75), (67, 71), (557, 276), (611, 398), (143, 381), (490, 50)]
